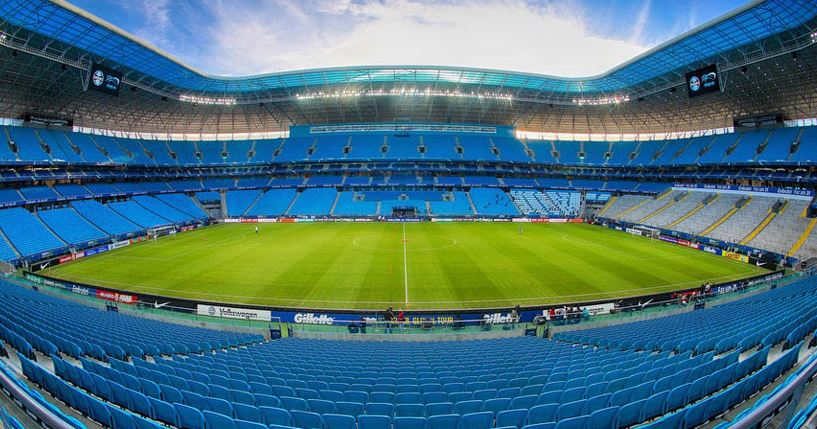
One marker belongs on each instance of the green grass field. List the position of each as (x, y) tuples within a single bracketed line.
[(416, 266)]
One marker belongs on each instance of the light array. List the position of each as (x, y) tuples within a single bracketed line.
[(403, 92), (207, 100), (602, 101)]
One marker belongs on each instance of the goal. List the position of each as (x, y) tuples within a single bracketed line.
[(155, 233)]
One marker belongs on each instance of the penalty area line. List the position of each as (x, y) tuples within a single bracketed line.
[(405, 263)]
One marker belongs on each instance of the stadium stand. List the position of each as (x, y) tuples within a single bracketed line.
[(104, 218), (493, 202), (27, 233), (137, 214), (239, 201), (313, 202), (694, 373), (272, 203), (70, 226)]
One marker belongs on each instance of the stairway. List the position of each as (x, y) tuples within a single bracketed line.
[(665, 207), (693, 211), (764, 223), (803, 237), (609, 204), (725, 217)]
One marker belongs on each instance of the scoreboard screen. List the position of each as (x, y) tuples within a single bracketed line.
[(703, 81), (104, 79)]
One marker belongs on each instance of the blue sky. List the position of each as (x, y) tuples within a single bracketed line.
[(570, 38)]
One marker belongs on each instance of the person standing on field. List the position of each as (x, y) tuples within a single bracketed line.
[(256, 229)]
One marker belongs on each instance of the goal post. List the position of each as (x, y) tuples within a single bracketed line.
[(161, 231)]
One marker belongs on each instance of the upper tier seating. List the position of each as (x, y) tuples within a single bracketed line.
[(27, 233), (766, 147), (354, 204)]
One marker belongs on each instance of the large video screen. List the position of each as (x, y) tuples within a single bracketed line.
[(703, 81), (104, 79)]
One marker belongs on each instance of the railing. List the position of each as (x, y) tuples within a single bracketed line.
[(782, 405), (31, 405)]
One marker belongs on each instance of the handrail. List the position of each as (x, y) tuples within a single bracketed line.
[(784, 402), (31, 405)]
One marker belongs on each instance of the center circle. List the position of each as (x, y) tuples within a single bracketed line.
[(427, 243)]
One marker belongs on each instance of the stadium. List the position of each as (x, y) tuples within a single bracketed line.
[(408, 246)]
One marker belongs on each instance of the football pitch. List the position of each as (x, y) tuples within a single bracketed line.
[(418, 266)]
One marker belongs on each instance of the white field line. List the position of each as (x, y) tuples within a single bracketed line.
[(405, 262)]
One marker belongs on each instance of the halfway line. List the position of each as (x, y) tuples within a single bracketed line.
[(405, 262)]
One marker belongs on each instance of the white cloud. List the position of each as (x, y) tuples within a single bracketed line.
[(278, 35)]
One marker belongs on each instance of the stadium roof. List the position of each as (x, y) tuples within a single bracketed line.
[(55, 33)]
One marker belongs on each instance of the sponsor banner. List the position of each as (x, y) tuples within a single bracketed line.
[(268, 220), (247, 220), (233, 312), (286, 220), (597, 309), (82, 290), (116, 297), (232, 220), (557, 220), (66, 258), (119, 244), (501, 220), (794, 192), (735, 256), (96, 250), (712, 250), (633, 231), (521, 219), (541, 220), (320, 318), (576, 220)]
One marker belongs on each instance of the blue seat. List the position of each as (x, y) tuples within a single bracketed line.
[(100, 412), (275, 416), (677, 397), (353, 409), (163, 411), (549, 425), (570, 409), (525, 401), (374, 422), (630, 414), (697, 414), (306, 419), (573, 423), (409, 410), (439, 408), (514, 418), (481, 420), (596, 403), (380, 409), (670, 421), (468, 407), (247, 412), (408, 398), (655, 405), (409, 422), (215, 420), (263, 400), (244, 424), (338, 421), (189, 418), (542, 413), (496, 405), (221, 406), (294, 404), (122, 419), (321, 406), (443, 421), (603, 419), (140, 403)]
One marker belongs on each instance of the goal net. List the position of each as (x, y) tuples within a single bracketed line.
[(155, 233)]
